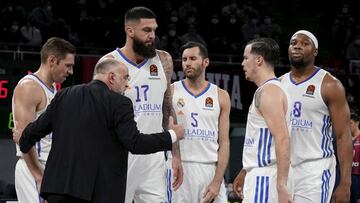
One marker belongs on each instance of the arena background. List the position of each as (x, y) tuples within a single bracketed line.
[(96, 27)]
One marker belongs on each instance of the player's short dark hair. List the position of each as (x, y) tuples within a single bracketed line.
[(57, 47), (203, 50), (139, 12), (268, 48)]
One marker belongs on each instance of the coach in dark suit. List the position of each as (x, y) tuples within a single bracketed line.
[(93, 129)]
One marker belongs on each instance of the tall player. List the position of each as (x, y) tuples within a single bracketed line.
[(150, 73), (266, 152), (319, 107), (31, 96), (204, 110)]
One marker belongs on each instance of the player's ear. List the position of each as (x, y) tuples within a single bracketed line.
[(206, 62), (129, 30), (51, 59), (259, 60)]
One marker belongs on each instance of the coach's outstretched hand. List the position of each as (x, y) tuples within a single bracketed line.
[(178, 128)]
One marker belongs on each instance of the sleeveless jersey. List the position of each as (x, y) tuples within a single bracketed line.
[(356, 159), (200, 117), (259, 145), (146, 90), (311, 128), (44, 145)]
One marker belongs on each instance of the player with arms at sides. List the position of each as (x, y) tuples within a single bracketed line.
[(204, 110), (319, 110), (150, 73), (31, 96), (266, 176)]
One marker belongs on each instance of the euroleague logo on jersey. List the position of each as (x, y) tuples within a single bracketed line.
[(153, 70), (310, 90), (209, 102)]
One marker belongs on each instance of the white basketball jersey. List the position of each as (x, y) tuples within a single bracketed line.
[(311, 132), (259, 145), (44, 145), (200, 117), (147, 86)]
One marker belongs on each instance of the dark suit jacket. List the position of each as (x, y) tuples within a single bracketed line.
[(93, 130)]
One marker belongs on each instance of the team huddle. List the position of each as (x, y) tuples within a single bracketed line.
[(288, 154)]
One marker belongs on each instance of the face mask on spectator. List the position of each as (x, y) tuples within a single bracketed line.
[(215, 21), (173, 19), (172, 33)]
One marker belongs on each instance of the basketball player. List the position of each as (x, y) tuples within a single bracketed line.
[(31, 96), (150, 73), (204, 110), (319, 106), (266, 152), (355, 177)]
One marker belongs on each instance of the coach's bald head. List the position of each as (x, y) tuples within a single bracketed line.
[(113, 73)]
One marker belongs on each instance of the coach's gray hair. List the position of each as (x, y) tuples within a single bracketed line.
[(104, 65)]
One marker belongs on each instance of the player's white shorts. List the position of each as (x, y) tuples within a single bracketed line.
[(314, 181), (146, 179), (260, 185), (197, 176), (25, 184)]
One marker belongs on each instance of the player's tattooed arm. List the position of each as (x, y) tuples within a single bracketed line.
[(168, 66)]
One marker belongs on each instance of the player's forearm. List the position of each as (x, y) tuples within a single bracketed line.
[(282, 150), (344, 153), (223, 159), (176, 150), (33, 164)]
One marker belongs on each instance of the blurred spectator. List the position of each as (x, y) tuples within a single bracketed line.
[(231, 9), (270, 29), (250, 30), (30, 35), (353, 49), (12, 13), (42, 18), (12, 33), (171, 42), (192, 35), (186, 9)]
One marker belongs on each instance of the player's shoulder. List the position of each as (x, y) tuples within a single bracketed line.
[(28, 85), (330, 82), (163, 55), (223, 94)]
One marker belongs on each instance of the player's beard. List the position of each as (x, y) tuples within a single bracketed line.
[(298, 64), (195, 74), (146, 51)]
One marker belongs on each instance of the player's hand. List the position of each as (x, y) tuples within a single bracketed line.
[(179, 129), (17, 131), (341, 194), (283, 195), (238, 184), (178, 172), (211, 192)]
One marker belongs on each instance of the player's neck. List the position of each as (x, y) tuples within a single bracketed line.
[(264, 78), (301, 74), (196, 85), (44, 75), (131, 55)]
